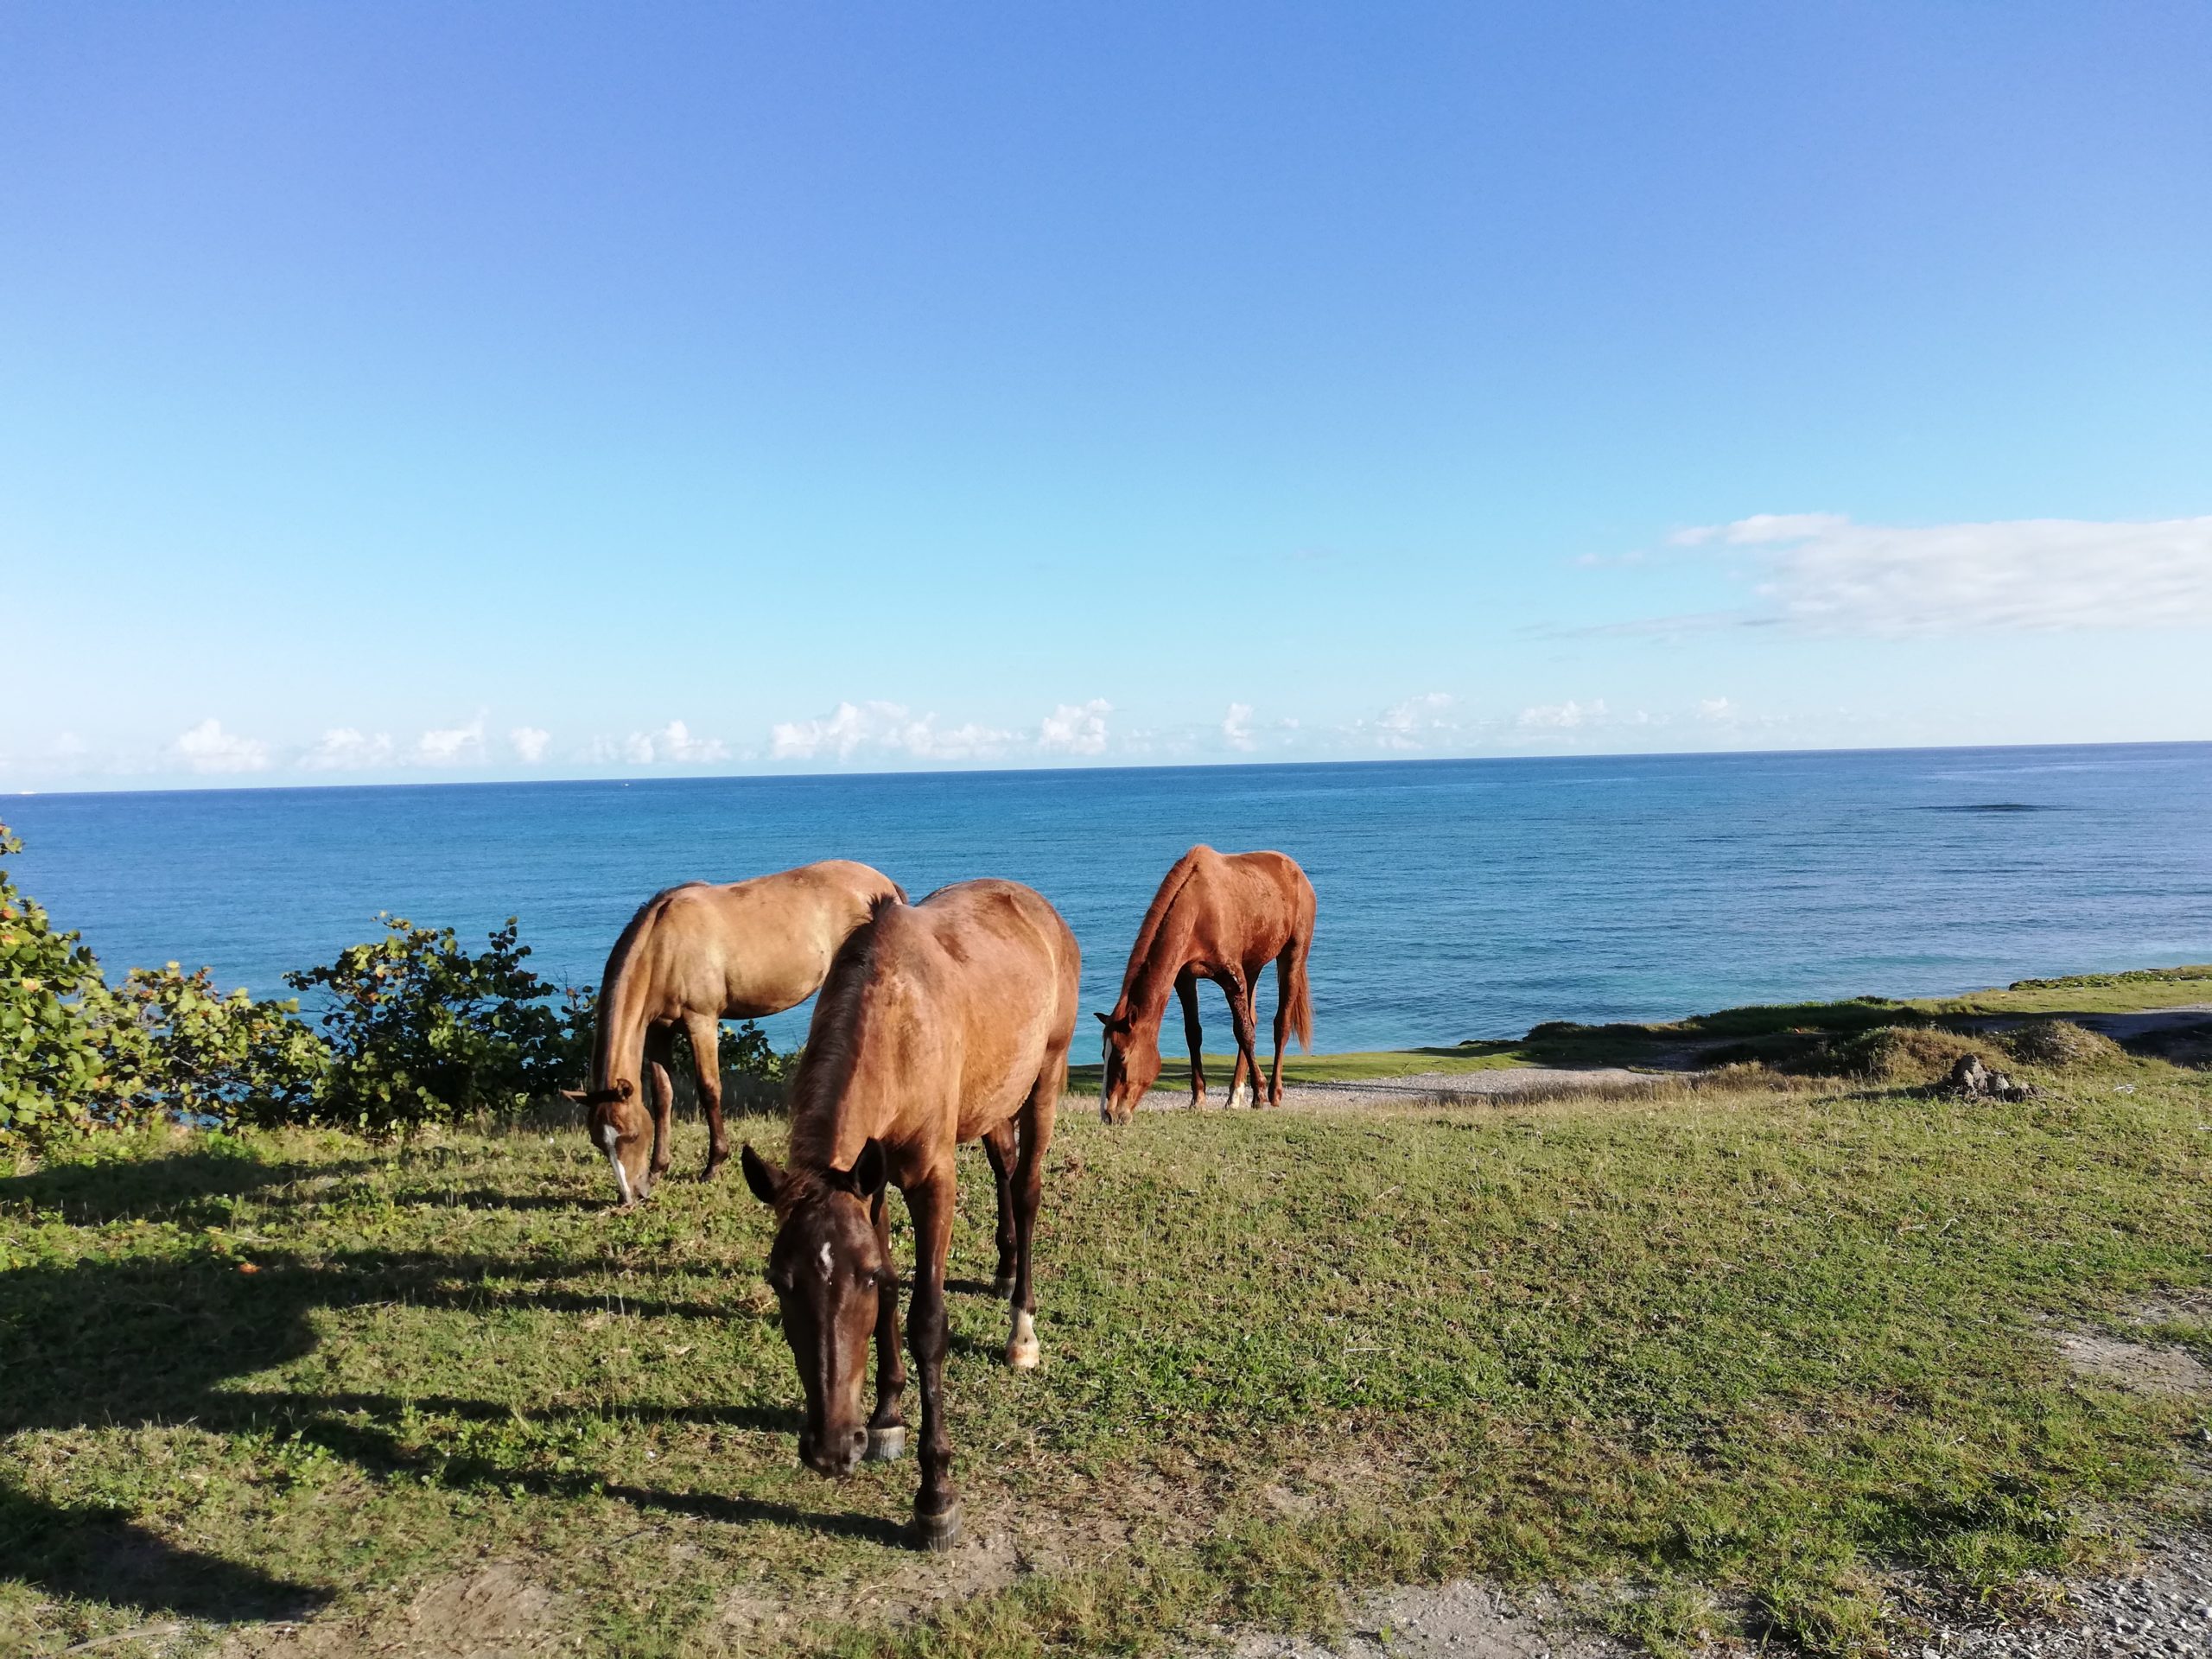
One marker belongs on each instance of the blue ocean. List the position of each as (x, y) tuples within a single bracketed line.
[(1457, 898)]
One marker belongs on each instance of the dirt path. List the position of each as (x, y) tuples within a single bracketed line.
[(1505, 1081)]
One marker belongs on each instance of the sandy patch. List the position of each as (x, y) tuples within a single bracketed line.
[(497, 1611)]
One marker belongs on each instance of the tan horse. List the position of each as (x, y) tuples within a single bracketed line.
[(944, 1021), (1222, 918), (691, 957)]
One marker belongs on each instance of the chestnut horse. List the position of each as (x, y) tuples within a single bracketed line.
[(693, 957), (1218, 917), (941, 1022)]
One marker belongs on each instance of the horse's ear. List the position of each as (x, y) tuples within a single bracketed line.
[(763, 1176), (868, 1169), (625, 1088), (1102, 1019)]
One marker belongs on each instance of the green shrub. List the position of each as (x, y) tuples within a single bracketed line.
[(2059, 1044), (420, 1031), (68, 1049), (227, 1058)]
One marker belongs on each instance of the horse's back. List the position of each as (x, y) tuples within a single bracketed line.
[(1006, 969), (1263, 897)]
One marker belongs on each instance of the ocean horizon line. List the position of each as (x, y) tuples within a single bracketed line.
[(275, 787)]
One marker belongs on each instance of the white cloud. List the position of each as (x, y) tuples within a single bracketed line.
[(208, 748), (344, 749), (1075, 728), (530, 743), (1561, 716), (1821, 572), (451, 746), (672, 745), (1414, 723), (1761, 527), (882, 728), (1717, 708), (1236, 726)]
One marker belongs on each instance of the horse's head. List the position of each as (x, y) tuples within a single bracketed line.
[(1132, 1059), (827, 1269), (620, 1126)]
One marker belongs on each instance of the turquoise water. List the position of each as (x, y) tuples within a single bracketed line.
[(1457, 898)]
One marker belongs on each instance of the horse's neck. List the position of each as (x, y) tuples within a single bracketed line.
[(1144, 996)]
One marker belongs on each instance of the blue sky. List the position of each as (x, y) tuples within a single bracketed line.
[(510, 391)]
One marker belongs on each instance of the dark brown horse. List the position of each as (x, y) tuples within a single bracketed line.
[(941, 1022), (691, 957), (1222, 918)]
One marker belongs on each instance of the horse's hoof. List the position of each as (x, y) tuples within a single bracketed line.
[(1024, 1356), (936, 1533), (886, 1445)]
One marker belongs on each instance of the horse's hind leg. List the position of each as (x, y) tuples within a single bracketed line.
[(705, 1031), (1282, 1021), (1187, 987), (887, 1429), (999, 1148), (1022, 1352), (659, 1050), (1239, 992)]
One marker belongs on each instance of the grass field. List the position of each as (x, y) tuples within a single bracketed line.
[(1750, 1353), (1794, 1033)]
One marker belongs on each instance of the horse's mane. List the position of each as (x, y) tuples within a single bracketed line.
[(1156, 919), (833, 1037)]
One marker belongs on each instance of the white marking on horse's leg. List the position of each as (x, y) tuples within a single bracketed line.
[(1021, 1349), (621, 1175), (1240, 1095)]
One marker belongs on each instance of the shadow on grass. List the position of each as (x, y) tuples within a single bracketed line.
[(191, 1188), (100, 1554), (154, 1343)]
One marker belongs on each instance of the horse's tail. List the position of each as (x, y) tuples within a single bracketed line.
[(1301, 999)]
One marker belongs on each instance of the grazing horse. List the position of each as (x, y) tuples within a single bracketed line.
[(941, 1022), (693, 957), (1218, 917)]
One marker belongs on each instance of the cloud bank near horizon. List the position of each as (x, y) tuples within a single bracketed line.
[(1823, 573), (1815, 575)]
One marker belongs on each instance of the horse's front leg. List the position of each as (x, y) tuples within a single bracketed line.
[(1186, 988), (887, 1429), (705, 1031), (659, 1052), (999, 1148), (937, 1507)]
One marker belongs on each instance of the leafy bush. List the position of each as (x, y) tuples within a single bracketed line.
[(210, 1056), (754, 1077), (420, 1031), (2058, 1044), (68, 1050)]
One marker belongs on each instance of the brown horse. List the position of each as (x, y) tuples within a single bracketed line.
[(690, 957), (1222, 918), (941, 1022)]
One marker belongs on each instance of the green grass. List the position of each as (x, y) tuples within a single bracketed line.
[(1793, 1035), (1747, 1349)]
